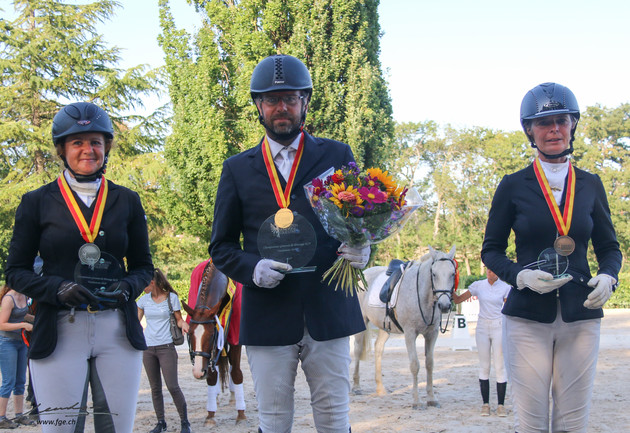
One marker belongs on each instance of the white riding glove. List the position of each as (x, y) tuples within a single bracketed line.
[(266, 273), (358, 257), (602, 291), (540, 281)]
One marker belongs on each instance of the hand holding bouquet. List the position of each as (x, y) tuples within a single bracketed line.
[(359, 209)]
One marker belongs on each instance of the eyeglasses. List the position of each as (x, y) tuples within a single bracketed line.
[(289, 100)]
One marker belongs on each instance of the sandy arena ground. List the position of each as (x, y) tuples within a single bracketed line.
[(455, 383)]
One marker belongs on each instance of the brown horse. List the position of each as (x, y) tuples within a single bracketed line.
[(210, 352)]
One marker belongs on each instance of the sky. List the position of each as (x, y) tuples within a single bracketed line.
[(462, 62)]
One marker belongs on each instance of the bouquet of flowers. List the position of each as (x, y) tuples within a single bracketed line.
[(359, 209)]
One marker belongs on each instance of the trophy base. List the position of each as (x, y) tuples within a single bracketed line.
[(300, 270)]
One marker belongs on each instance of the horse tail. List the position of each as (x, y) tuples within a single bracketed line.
[(224, 369)]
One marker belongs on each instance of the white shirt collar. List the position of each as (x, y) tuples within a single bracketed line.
[(276, 147)]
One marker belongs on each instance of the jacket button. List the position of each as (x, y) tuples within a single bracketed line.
[(293, 197)]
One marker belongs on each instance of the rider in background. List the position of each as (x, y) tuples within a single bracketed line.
[(161, 353), (552, 321), (491, 294), (287, 319)]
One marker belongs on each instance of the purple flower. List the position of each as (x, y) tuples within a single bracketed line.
[(357, 211)]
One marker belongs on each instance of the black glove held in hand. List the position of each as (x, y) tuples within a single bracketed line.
[(72, 295), (115, 295)]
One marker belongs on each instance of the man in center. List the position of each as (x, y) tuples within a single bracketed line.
[(287, 318)]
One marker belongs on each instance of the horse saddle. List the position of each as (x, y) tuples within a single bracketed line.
[(394, 271)]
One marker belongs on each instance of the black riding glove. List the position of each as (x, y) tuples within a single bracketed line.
[(115, 295), (72, 295)]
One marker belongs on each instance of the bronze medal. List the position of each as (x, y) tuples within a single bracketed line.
[(89, 254), (283, 218), (564, 245)]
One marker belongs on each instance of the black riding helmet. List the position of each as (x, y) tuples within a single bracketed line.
[(80, 117), (277, 73), (548, 99), (280, 72)]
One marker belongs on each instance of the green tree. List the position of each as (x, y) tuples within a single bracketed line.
[(51, 54), (209, 75), (603, 148)]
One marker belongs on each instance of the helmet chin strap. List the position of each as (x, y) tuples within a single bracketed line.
[(89, 177), (565, 152)]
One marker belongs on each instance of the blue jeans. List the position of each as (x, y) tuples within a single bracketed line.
[(13, 366)]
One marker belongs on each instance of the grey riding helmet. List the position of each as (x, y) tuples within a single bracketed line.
[(280, 72), (80, 117), (548, 99)]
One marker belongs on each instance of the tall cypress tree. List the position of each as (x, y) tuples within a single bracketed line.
[(209, 74)]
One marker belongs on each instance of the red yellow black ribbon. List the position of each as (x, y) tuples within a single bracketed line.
[(282, 197), (88, 233), (563, 221)]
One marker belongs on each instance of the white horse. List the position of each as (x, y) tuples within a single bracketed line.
[(424, 294)]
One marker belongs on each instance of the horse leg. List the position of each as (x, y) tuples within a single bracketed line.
[(414, 365), (360, 342), (429, 346), (236, 377), (379, 345), (213, 393)]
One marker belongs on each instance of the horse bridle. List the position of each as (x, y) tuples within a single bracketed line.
[(439, 293), (212, 361)]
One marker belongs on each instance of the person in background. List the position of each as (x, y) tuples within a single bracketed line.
[(161, 353), (286, 319), (13, 310), (85, 336), (553, 313), (491, 294)]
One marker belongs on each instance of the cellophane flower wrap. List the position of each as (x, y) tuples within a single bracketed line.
[(359, 209)]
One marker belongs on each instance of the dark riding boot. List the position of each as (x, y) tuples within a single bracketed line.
[(186, 426), (501, 387), (484, 385), (160, 427)]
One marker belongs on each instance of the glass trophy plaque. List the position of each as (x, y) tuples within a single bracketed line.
[(293, 243), (550, 261), (96, 274)]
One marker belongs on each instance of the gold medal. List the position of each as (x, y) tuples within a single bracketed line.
[(564, 245), (283, 218)]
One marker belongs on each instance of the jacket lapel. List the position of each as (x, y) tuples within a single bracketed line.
[(310, 158)]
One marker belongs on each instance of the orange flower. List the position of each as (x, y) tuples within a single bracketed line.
[(345, 195)]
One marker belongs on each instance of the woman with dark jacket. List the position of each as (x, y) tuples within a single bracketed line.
[(92, 237), (553, 312)]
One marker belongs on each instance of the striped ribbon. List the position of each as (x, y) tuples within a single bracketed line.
[(562, 220), (87, 232), (282, 197)]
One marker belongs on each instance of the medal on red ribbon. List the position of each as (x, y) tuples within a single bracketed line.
[(564, 244), (284, 216), (89, 253)]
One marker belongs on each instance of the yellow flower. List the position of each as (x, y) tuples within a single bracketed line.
[(384, 178), (342, 194)]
